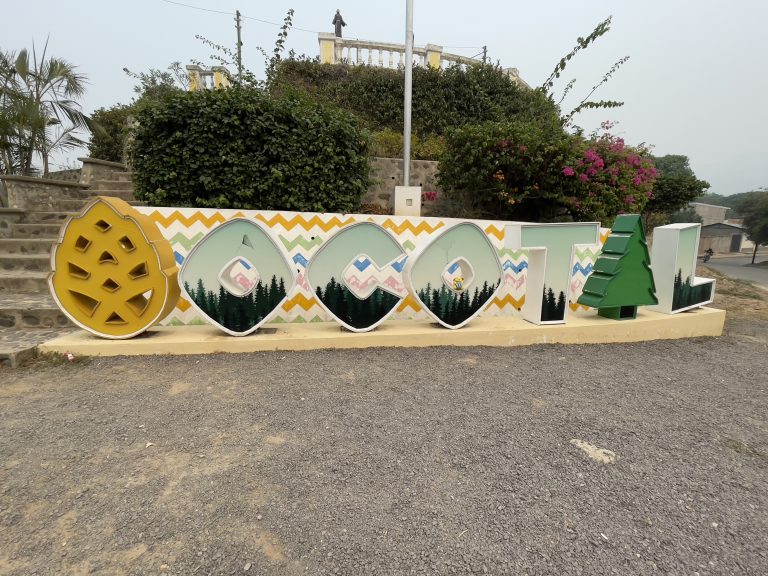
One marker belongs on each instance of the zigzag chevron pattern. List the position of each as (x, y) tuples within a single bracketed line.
[(300, 241), (301, 235)]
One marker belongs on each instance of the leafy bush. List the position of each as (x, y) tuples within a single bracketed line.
[(241, 148), (109, 143), (389, 144), (442, 98), (525, 171)]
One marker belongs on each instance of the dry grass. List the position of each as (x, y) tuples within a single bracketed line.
[(740, 298)]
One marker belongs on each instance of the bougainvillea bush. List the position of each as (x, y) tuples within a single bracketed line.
[(535, 172)]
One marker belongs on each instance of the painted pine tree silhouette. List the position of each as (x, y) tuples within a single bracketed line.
[(453, 308), (238, 313), (684, 295), (552, 309), (356, 312)]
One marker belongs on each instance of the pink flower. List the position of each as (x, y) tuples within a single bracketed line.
[(568, 171), (629, 199), (583, 177), (590, 155), (599, 163)]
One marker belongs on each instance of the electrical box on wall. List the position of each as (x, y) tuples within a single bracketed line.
[(407, 201)]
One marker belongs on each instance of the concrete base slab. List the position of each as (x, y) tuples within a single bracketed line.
[(496, 331)]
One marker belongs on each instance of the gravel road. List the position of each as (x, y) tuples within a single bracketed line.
[(391, 461)]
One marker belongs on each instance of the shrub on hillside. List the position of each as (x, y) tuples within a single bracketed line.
[(389, 144), (525, 171), (442, 98), (241, 148), (109, 143)]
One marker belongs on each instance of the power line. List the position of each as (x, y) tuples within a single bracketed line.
[(278, 24)]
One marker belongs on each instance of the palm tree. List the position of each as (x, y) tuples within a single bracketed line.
[(39, 112)]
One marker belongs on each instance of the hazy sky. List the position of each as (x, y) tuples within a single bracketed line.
[(695, 84)]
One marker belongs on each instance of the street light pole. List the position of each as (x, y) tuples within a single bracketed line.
[(408, 93)]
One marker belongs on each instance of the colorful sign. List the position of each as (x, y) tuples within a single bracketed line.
[(237, 276), (622, 279), (357, 276), (112, 273), (240, 269), (552, 249), (675, 247), (455, 275)]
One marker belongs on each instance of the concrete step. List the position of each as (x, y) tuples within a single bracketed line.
[(57, 205), (126, 195), (98, 185), (41, 217), (28, 262), (22, 310), (35, 231), (23, 281), (18, 346), (25, 246)]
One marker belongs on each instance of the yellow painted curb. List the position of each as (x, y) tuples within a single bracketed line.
[(495, 331)]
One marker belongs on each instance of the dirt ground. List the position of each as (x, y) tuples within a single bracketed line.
[(396, 461)]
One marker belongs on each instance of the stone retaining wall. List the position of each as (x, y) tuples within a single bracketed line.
[(95, 169), (23, 192), (386, 173)]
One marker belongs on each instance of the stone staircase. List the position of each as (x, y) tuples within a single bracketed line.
[(28, 314)]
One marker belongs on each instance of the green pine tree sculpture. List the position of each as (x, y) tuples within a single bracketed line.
[(622, 279)]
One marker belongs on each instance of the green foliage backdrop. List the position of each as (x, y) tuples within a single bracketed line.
[(442, 98), (242, 148)]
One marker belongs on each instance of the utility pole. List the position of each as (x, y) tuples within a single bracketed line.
[(485, 54), (408, 93), (239, 49)]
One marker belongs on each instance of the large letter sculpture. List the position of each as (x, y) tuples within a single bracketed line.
[(357, 276), (551, 249), (236, 276), (622, 279), (456, 275), (112, 272), (674, 269)]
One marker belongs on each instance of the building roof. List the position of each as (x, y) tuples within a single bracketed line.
[(723, 225), (709, 205)]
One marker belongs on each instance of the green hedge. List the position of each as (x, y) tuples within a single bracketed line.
[(442, 98), (240, 148)]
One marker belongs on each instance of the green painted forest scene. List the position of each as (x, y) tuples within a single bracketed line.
[(684, 295), (236, 313), (454, 308), (356, 312), (552, 309)]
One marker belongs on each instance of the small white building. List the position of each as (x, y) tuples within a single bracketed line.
[(710, 213)]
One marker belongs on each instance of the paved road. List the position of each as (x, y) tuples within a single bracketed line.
[(740, 268)]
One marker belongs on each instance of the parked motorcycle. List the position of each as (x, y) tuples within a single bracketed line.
[(708, 254)]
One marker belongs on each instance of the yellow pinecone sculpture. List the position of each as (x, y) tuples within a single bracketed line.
[(112, 272)]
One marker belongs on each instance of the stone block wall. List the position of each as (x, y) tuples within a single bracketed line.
[(94, 169), (25, 193), (65, 175), (386, 173)]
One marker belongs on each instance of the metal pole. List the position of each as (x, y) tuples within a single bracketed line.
[(239, 50), (408, 93)]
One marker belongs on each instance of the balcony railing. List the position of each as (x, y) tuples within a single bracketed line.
[(207, 78), (334, 50)]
